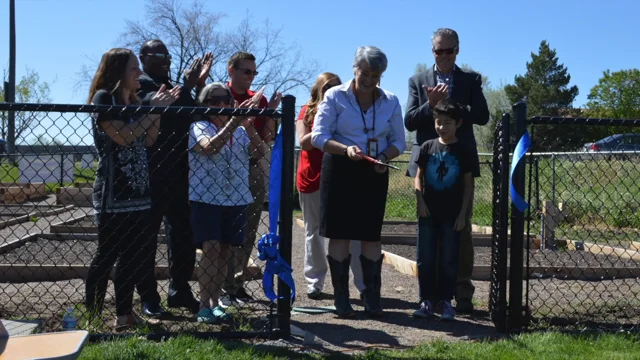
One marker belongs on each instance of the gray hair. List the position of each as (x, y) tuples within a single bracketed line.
[(371, 55), (208, 90), (445, 32)]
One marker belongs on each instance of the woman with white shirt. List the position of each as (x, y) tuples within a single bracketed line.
[(219, 152), (354, 119)]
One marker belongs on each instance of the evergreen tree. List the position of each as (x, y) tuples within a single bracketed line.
[(546, 86)]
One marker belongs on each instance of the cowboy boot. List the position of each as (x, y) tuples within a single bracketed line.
[(340, 280), (372, 277)]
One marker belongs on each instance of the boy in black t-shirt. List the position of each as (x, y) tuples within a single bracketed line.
[(444, 185)]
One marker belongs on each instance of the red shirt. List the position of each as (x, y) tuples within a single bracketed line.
[(308, 178), (260, 121)]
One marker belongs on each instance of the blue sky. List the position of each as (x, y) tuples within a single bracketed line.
[(57, 37)]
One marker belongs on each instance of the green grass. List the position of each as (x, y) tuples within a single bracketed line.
[(535, 346), (401, 200), (603, 197), (11, 174)]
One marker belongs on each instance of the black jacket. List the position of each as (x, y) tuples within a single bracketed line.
[(168, 157), (467, 90)]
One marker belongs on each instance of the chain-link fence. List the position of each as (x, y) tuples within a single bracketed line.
[(577, 245), (171, 219)]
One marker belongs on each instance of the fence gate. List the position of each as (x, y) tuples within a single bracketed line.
[(574, 253)]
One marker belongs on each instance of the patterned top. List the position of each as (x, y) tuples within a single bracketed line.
[(222, 178), (442, 78), (122, 177)]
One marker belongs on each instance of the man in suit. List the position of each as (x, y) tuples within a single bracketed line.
[(169, 178), (445, 79)]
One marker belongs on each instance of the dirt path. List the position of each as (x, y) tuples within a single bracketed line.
[(398, 328)]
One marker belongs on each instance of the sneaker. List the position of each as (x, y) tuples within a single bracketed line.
[(448, 314), (219, 313), (314, 294), (242, 297), (206, 316), (126, 322), (225, 301), (425, 311)]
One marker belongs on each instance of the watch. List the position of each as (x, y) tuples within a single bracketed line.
[(346, 150)]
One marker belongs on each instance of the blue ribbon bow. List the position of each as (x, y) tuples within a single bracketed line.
[(521, 150), (268, 244)]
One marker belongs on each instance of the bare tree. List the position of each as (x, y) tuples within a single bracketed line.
[(190, 31), (29, 90)]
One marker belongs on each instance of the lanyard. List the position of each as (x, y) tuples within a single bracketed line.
[(364, 121)]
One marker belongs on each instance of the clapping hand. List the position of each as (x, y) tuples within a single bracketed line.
[(192, 74), (275, 100), (207, 63), (246, 121), (165, 97), (437, 93)]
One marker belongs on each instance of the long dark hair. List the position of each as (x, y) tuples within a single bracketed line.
[(317, 94), (110, 73)]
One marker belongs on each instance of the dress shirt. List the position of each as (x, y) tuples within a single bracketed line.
[(338, 117)]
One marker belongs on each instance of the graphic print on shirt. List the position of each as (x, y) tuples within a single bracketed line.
[(442, 170), (133, 162)]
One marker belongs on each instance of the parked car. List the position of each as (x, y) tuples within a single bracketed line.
[(619, 142)]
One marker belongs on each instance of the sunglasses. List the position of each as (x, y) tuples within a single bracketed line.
[(248, 72), (328, 86), (215, 100), (448, 51), (159, 55)]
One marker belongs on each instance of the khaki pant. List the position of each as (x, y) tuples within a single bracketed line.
[(465, 288)]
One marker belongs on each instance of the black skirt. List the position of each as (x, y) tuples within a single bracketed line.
[(353, 197)]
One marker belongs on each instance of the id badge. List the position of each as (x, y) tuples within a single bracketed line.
[(372, 148)]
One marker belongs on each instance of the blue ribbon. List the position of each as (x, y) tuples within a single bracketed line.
[(268, 244), (521, 150)]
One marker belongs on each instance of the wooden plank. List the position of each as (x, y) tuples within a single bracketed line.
[(483, 272), (28, 217), (403, 265), (6, 247), (23, 273), (62, 236), (75, 196), (479, 240), (634, 245), (603, 249)]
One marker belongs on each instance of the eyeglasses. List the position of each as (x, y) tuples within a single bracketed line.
[(215, 100), (328, 86), (248, 72), (159, 55), (448, 51)]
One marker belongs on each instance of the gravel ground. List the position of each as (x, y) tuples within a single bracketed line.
[(398, 328), (67, 252), (48, 301), (400, 228)]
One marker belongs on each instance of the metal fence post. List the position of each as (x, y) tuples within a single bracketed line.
[(286, 209), (516, 267), (498, 299)]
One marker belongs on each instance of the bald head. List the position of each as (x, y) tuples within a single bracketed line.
[(150, 45), (155, 59)]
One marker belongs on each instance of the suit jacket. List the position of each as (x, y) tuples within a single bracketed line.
[(467, 90), (168, 157)]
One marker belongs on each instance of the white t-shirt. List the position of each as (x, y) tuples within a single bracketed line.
[(222, 178)]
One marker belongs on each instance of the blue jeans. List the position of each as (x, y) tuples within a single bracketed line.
[(438, 251)]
